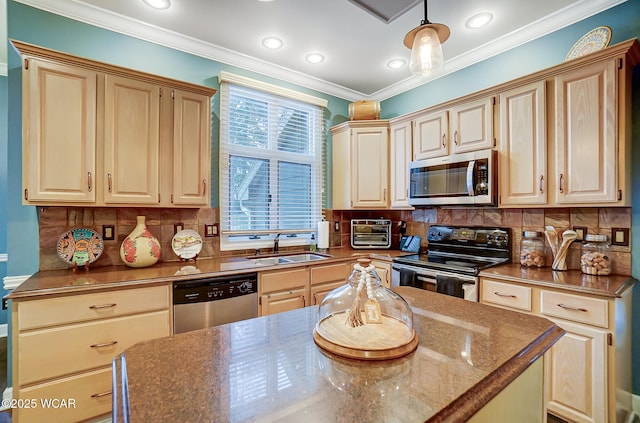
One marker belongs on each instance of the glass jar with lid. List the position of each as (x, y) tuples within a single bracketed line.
[(532, 249), (595, 258), (365, 320)]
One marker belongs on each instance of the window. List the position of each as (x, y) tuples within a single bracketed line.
[(270, 166)]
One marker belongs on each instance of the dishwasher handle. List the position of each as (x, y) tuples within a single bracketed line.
[(214, 289)]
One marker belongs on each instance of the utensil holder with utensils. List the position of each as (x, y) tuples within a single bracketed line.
[(558, 249)]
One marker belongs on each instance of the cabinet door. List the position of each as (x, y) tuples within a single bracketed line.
[(59, 144), (277, 302), (430, 134), (132, 119), (191, 148), (400, 156), (523, 150), (585, 135), (383, 269), (370, 167), (318, 292), (472, 125), (576, 372)]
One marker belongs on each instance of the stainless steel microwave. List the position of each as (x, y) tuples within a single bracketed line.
[(468, 178)]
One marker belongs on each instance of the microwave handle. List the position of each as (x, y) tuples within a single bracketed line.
[(470, 173)]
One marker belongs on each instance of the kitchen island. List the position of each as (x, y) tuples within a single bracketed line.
[(269, 369)]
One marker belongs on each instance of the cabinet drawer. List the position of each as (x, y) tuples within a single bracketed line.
[(60, 351), (90, 394), (84, 307), (283, 280), (504, 294), (574, 307), (330, 273)]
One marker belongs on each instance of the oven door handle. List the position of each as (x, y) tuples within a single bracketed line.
[(470, 172)]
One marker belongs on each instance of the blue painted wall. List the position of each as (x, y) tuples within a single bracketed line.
[(3, 186)]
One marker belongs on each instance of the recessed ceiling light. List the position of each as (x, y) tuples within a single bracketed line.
[(158, 4), (396, 63), (314, 58), (479, 20), (272, 42)]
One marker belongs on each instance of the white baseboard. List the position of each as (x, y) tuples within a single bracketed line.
[(4, 330), (7, 396)]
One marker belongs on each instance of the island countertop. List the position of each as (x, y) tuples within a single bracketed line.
[(270, 369)]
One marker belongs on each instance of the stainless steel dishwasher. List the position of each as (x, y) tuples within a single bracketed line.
[(205, 302)]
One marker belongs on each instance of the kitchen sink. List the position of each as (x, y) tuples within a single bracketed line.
[(270, 261), (305, 257), (293, 258)]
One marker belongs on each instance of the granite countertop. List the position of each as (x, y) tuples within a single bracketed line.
[(113, 277), (569, 280), (270, 369)]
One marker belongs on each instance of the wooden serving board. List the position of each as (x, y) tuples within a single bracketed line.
[(389, 339)]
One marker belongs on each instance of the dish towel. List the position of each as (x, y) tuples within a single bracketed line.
[(407, 277), (449, 285)]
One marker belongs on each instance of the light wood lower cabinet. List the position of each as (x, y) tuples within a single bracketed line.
[(383, 268), (63, 346), (283, 290), (326, 278), (588, 371)]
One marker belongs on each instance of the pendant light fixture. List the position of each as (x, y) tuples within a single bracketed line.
[(425, 42)]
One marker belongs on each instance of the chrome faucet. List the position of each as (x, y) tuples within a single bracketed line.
[(275, 243)]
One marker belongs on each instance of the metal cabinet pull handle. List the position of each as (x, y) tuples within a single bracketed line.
[(455, 137), (109, 181), (204, 187), (89, 181), (106, 344), (500, 294), (304, 301), (541, 180), (96, 307), (444, 140), (101, 394), (561, 190), (566, 307)]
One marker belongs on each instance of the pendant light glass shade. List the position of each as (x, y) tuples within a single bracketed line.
[(426, 52)]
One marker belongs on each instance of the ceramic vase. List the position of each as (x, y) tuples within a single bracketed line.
[(140, 248)]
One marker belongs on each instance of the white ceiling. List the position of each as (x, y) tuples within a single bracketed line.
[(356, 44)]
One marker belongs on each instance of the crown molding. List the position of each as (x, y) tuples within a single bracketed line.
[(92, 15), (561, 19)]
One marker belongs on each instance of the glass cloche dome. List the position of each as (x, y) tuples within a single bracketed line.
[(365, 320)]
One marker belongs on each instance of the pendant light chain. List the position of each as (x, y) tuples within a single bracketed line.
[(426, 19)]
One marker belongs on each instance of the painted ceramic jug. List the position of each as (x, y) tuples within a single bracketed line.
[(140, 248)]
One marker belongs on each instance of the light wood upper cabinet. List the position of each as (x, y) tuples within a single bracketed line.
[(59, 140), (101, 135), (131, 141), (191, 148), (361, 165), (471, 125), (400, 154), (430, 135), (459, 128), (585, 134), (523, 146)]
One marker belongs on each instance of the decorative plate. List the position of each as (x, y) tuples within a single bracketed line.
[(80, 246), (186, 244), (594, 40)]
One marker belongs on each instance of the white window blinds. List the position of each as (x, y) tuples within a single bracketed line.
[(270, 162)]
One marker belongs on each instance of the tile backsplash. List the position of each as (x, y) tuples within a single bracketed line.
[(54, 221)]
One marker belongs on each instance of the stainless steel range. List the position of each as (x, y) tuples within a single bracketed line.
[(455, 255)]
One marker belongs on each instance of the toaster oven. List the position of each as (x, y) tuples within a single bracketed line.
[(370, 233)]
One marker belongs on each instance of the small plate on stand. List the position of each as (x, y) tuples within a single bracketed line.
[(594, 40), (187, 244), (80, 247)]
